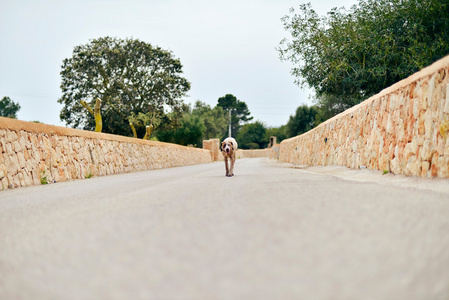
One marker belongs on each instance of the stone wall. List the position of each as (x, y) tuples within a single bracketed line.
[(213, 145), (243, 153), (404, 130), (32, 153), (275, 150)]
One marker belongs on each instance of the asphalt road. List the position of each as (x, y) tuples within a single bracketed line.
[(270, 232)]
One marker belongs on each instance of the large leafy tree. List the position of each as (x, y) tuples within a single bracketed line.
[(129, 76), (9, 108), (349, 55)]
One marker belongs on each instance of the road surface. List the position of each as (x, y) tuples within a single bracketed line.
[(272, 231)]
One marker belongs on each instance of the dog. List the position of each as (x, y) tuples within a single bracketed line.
[(229, 148)]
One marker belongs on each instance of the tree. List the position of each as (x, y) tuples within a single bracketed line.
[(128, 76), (252, 136), (96, 113), (9, 108), (302, 121), (349, 55), (239, 112), (196, 124), (215, 120)]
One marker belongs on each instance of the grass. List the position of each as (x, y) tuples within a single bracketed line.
[(44, 179)]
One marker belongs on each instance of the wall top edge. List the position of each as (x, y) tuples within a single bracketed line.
[(19, 125), (425, 72)]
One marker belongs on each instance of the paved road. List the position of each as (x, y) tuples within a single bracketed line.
[(270, 232)]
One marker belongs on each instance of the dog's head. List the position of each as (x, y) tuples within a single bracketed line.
[(227, 147)]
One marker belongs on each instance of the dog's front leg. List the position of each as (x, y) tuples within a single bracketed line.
[(231, 172), (227, 167)]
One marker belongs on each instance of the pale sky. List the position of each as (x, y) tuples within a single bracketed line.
[(226, 47)]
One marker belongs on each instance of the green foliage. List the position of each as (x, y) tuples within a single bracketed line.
[(303, 120), (239, 112), (9, 108), (141, 120), (190, 131), (129, 76), (329, 105), (195, 125), (203, 122), (252, 136), (215, 120), (279, 132), (43, 178), (349, 55)]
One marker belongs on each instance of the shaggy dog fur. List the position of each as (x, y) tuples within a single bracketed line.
[(228, 148)]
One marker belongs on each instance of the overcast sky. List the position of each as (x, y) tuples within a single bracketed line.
[(226, 47)]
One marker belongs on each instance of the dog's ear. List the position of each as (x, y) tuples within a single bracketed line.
[(221, 146)]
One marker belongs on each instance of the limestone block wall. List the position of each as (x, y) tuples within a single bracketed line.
[(404, 130), (33, 153), (243, 153)]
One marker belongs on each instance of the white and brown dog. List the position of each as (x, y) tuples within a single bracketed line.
[(229, 148)]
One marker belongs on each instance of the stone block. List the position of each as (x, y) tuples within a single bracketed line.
[(425, 166), (4, 183), (443, 167), (21, 160), (27, 178), (35, 177), (13, 165), (395, 167), (446, 100), (10, 136), (8, 149), (434, 165), (17, 147), (413, 166), (3, 171)]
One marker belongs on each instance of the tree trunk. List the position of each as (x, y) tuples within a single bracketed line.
[(133, 129), (95, 113), (149, 129)]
